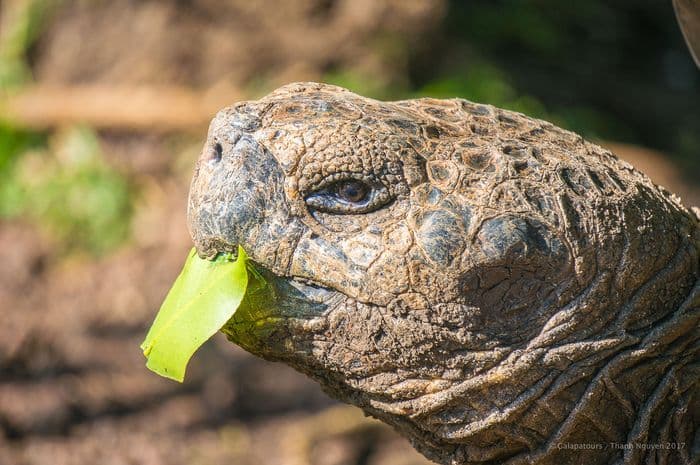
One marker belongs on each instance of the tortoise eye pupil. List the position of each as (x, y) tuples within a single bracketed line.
[(352, 191)]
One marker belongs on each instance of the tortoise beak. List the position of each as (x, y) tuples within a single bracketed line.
[(237, 198)]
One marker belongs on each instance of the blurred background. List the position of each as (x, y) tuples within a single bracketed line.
[(104, 106)]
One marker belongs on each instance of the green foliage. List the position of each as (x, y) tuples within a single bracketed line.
[(13, 142), (67, 188), (21, 24), (369, 86), (203, 298), (61, 183), (484, 83)]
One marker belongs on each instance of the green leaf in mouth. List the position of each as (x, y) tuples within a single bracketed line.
[(203, 298)]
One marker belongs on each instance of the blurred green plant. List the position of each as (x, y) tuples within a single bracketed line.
[(12, 143), (20, 25), (66, 188), (484, 82), (60, 182), (369, 86)]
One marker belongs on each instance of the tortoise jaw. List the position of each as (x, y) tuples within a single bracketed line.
[(262, 323)]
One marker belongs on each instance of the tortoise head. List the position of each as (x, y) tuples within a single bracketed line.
[(444, 265)]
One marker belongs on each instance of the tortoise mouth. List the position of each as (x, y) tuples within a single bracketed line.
[(211, 247), (262, 322)]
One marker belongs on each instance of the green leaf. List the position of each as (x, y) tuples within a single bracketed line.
[(202, 299)]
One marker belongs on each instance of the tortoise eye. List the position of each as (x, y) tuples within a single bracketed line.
[(349, 196), (352, 191)]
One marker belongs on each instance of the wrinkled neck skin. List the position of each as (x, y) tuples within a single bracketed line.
[(520, 296), (632, 399)]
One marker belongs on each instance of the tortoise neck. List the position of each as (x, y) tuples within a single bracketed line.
[(636, 403), (640, 406)]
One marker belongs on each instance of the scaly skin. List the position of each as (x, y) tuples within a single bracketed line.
[(499, 290)]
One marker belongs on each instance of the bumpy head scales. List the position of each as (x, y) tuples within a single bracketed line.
[(488, 283)]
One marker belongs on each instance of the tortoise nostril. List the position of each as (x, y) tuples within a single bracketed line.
[(218, 151), (215, 152)]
